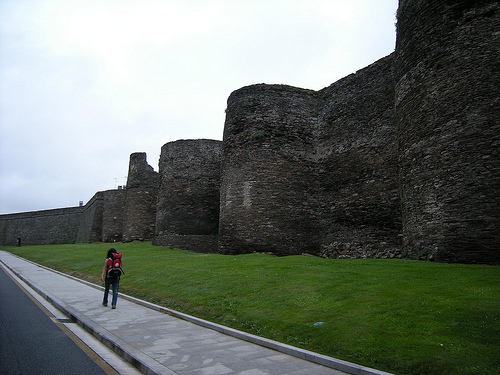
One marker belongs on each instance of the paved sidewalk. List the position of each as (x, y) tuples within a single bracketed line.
[(161, 341)]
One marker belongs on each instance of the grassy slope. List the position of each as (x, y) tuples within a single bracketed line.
[(406, 317)]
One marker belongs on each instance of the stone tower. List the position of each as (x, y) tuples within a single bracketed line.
[(268, 171), (447, 113), (312, 171), (139, 213), (188, 203)]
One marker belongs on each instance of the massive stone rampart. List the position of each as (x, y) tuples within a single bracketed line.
[(90, 228), (109, 216), (41, 227), (312, 172), (447, 113), (188, 201), (98, 220), (357, 192), (141, 195), (112, 215), (400, 159), (267, 171)]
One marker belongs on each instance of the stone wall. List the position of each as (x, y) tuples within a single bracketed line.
[(268, 171), (102, 219), (400, 159), (447, 112), (358, 191), (188, 201), (139, 213), (90, 228), (313, 172), (112, 215), (41, 227), (99, 220)]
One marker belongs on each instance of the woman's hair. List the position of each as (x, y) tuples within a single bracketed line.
[(111, 252)]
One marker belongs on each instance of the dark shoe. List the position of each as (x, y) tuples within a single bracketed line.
[(105, 304), (113, 306)]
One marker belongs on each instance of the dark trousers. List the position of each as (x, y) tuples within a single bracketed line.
[(111, 281)]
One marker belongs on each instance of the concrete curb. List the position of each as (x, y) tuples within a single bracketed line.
[(136, 358), (149, 366)]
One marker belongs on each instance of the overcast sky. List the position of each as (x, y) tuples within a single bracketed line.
[(85, 83)]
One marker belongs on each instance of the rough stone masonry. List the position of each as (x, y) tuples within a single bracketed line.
[(400, 159)]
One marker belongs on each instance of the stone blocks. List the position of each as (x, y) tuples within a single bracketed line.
[(447, 113), (188, 201), (400, 159)]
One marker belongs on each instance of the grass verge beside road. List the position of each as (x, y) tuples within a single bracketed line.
[(400, 316)]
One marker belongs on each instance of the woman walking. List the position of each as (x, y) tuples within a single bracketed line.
[(111, 276)]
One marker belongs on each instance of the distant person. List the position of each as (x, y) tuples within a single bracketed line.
[(111, 276)]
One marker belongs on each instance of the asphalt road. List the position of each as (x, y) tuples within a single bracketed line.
[(33, 343)]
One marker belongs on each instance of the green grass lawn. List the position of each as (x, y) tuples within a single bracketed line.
[(400, 316)]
